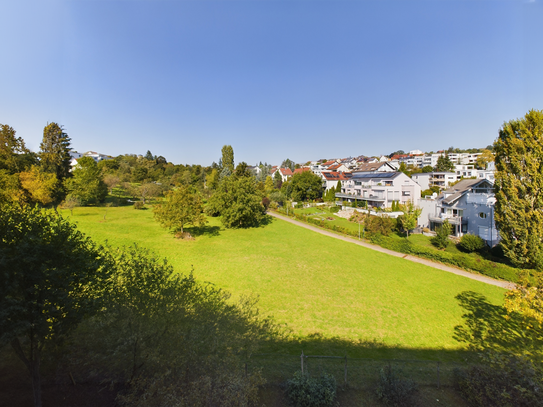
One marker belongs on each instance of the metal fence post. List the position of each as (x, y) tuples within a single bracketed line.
[(438, 383)]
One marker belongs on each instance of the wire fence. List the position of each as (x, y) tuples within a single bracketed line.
[(357, 373)]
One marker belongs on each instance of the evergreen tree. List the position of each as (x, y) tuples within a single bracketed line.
[(55, 156), (338, 187), (519, 189), (227, 160), (444, 164)]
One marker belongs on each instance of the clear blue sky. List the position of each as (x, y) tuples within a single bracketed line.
[(274, 79)]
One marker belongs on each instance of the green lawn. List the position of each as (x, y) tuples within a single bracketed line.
[(318, 285)]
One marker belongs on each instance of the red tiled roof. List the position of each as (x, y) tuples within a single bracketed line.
[(329, 162), (285, 171), (300, 170), (336, 176)]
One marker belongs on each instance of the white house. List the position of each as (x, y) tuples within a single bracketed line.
[(380, 189)]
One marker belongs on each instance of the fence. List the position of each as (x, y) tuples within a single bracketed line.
[(357, 373)]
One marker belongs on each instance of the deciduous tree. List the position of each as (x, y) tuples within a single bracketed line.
[(410, 216), (51, 277), (182, 207), (227, 159), (40, 185), (306, 185), (519, 189), (87, 183), (12, 150)]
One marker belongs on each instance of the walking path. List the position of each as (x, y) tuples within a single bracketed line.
[(504, 284)]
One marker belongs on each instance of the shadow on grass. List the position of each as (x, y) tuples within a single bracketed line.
[(203, 231), (490, 327)]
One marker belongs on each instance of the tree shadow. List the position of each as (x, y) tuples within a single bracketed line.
[(490, 327), (266, 220), (203, 230)]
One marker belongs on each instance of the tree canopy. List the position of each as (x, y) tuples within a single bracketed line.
[(305, 186), (51, 277), (519, 189), (227, 159), (182, 207), (87, 183)]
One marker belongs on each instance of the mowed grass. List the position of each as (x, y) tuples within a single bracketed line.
[(317, 285)]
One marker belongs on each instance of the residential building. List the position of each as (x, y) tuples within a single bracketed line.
[(286, 173), (380, 189), (331, 178), (469, 208), (430, 179)]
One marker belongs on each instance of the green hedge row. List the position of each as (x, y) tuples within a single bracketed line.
[(464, 261)]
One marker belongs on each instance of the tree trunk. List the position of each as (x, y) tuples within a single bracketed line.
[(33, 366)]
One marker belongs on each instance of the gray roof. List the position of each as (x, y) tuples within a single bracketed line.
[(461, 188), (378, 175)]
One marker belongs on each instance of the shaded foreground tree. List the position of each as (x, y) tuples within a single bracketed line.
[(169, 339), (519, 189), (182, 207), (238, 202), (51, 277)]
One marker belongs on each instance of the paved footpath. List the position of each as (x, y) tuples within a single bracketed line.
[(460, 272)]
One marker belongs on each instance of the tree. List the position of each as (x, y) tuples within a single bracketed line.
[(182, 207), (485, 158), (238, 202), (227, 159), (51, 278), (242, 170), (277, 179), (39, 185), (87, 183), (111, 181), (269, 184), (427, 168), (12, 150), (410, 216), (55, 151), (288, 163), (10, 188), (148, 190), (306, 185), (149, 156), (403, 168), (441, 239), (444, 164), (519, 189), (213, 179), (338, 187)]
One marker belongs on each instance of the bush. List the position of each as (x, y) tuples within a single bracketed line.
[(505, 381), (382, 225), (441, 239), (307, 391), (299, 205), (139, 205), (471, 243), (394, 390), (334, 209)]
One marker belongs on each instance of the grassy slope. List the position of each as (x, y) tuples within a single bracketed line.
[(314, 283)]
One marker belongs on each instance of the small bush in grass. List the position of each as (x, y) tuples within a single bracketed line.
[(307, 391), (471, 243), (334, 209), (394, 390), (299, 205), (138, 205)]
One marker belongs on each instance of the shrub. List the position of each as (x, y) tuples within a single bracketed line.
[(307, 391), (471, 243), (505, 381), (266, 202), (139, 205), (379, 225), (334, 209), (394, 390), (441, 239)]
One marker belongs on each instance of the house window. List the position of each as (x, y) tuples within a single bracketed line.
[(482, 215), (406, 193)]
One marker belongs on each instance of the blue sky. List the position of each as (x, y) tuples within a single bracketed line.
[(275, 79)]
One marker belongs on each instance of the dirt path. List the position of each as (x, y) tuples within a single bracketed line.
[(484, 279)]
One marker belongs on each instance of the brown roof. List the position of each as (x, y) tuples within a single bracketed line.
[(370, 167), (329, 162), (285, 171), (336, 176)]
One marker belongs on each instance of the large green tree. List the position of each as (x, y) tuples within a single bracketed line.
[(182, 207), (519, 189), (306, 185), (51, 277), (87, 183), (410, 216), (55, 151), (238, 202)]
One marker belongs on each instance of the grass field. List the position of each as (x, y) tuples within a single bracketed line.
[(321, 287)]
